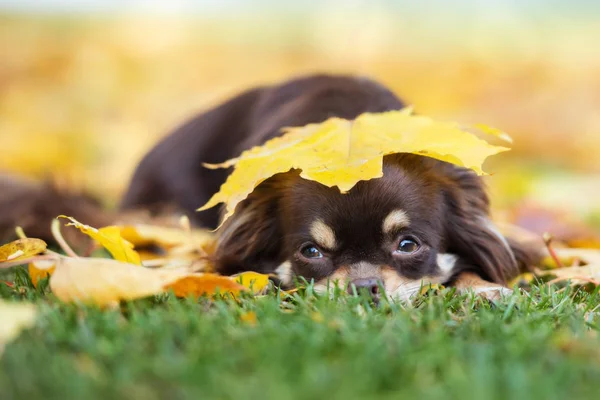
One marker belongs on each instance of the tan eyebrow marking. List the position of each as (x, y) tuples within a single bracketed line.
[(396, 219), (323, 234)]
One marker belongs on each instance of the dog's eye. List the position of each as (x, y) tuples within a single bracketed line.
[(407, 246), (311, 251)]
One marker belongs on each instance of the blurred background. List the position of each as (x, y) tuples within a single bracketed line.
[(87, 87)]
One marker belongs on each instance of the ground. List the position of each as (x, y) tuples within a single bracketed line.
[(538, 344)]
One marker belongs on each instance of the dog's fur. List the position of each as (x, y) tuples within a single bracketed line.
[(33, 205), (441, 207)]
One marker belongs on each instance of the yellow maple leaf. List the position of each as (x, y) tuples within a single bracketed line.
[(341, 152), (21, 249), (15, 317), (110, 238)]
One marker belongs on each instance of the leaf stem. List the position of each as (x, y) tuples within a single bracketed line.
[(548, 242), (20, 233), (55, 228)]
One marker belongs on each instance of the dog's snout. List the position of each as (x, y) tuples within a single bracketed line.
[(369, 285)]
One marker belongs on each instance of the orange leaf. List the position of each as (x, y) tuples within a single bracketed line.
[(40, 270), (253, 281), (205, 284)]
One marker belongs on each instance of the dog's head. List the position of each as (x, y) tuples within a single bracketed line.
[(422, 222)]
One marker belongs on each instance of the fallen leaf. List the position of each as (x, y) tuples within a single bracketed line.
[(21, 249), (436, 287), (523, 279), (253, 281), (110, 238), (105, 281), (170, 247), (289, 292), (144, 235), (586, 256), (341, 152), (587, 269), (205, 284), (15, 317), (249, 318), (40, 270), (577, 275), (564, 226)]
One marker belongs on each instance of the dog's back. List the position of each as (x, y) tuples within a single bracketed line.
[(172, 173)]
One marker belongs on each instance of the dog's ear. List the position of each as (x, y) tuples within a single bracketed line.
[(251, 238), (472, 235)]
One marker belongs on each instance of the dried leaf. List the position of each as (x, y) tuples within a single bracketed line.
[(436, 287), (105, 281), (205, 284), (21, 249), (171, 247), (15, 317), (253, 281), (523, 279), (586, 256), (340, 152), (569, 257), (578, 275), (40, 270), (144, 235), (587, 270), (249, 318), (564, 226), (110, 238)]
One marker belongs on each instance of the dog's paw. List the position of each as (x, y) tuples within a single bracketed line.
[(493, 294)]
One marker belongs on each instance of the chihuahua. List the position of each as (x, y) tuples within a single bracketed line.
[(425, 221)]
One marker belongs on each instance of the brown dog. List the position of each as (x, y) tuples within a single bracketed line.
[(424, 221)]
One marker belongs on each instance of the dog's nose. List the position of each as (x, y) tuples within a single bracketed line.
[(369, 285)]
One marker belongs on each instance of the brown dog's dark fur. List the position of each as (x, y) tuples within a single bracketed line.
[(445, 206), (33, 206)]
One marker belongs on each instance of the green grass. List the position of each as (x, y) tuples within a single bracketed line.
[(542, 345)]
